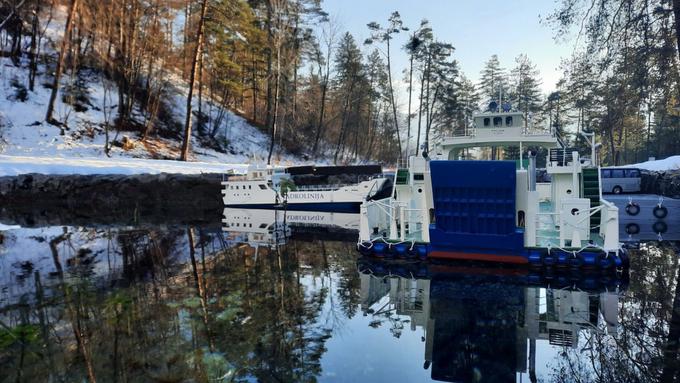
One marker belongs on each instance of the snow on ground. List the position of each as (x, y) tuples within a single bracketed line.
[(670, 163), (17, 165)]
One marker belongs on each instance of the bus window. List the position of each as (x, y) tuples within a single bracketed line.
[(508, 121), (633, 173), (606, 173), (497, 121), (617, 173), (487, 121)]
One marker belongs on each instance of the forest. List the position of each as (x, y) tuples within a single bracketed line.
[(316, 91)]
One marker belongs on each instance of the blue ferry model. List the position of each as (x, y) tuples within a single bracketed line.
[(454, 206)]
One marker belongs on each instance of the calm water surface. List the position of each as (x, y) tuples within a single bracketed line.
[(289, 303)]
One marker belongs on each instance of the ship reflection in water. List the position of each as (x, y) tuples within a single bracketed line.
[(478, 328), (282, 296)]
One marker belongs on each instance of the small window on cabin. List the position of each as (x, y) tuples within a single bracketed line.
[(498, 121), (263, 226), (618, 173), (487, 121), (418, 177), (263, 187), (508, 121)]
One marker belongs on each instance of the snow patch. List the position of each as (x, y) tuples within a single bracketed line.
[(670, 163), (17, 165)]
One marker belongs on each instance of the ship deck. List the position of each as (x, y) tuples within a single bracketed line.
[(548, 233)]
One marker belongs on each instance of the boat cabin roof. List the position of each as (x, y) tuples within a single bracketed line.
[(498, 129)]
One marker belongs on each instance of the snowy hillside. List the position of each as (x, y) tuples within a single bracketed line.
[(23, 131)]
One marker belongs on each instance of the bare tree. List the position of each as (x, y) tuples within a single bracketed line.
[(60, 62), (192, 80)]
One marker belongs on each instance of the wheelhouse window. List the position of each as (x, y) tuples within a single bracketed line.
[(508, 121), (487, 121), (498, 121)]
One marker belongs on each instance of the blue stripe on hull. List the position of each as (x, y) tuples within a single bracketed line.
[(336, 207)]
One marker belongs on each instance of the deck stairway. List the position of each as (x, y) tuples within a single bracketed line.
[(402, 177), (591, 190)]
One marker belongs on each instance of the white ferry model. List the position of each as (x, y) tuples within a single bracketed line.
[(332, 188), (454, 208)]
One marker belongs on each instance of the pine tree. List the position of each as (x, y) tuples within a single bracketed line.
[(350, 72), (385, 35), (376, 73), (468, 99), (526, 84), (493, 84)]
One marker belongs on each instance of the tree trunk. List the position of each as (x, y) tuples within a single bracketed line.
[(410, 92), (270, 94), (60, 62), (394, 105), (429, 119), (35, 30), (276, 103), (343, 124), (324, 91), (676, 12), (420, 110), (192, 79), (200, 93), (254, 80)]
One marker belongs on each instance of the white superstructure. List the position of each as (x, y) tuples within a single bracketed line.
[(269, 187)]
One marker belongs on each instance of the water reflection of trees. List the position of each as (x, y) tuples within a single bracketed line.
[(646, 345), (180, 306)]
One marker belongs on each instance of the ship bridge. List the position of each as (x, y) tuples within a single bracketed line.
[(496, 129)]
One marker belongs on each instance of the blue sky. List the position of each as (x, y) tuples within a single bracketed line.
[(477, 29)]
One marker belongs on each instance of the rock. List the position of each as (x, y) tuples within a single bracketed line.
[(128, 144)]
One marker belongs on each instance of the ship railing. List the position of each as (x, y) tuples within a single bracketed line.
[(320, 187), (402, 163), (608, 228), (525, 132), (395, 220), (609, 225)]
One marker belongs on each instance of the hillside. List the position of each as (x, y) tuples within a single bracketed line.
[(23, 131), (87, 105)]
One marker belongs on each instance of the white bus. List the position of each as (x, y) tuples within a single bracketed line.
[(621, 180)]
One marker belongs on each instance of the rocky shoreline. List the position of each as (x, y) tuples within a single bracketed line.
[(662, 183), (45, 200)]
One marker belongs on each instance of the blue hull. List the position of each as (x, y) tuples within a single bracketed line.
[(335, 207)]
